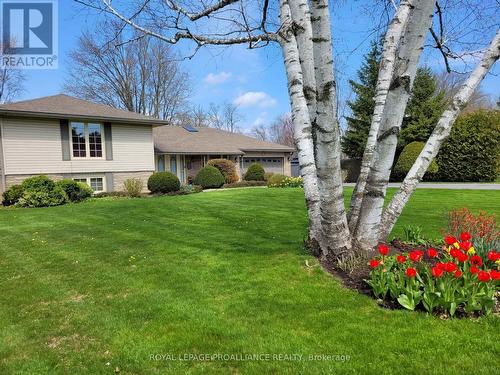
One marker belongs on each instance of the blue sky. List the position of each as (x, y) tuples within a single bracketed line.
[(255, 79)]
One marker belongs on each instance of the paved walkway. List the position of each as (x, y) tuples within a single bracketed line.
[(449, 185)]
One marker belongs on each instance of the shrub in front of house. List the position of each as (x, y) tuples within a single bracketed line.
[(163, 183), (255, 172), (280, 181), (243, 184), (209, 178), (268, 175), (276, 180), (76, 191), (227, 168), (133, 187), (41, 191), (12, 195), (408, 157)]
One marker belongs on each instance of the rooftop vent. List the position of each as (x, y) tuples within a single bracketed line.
[(190, 129)]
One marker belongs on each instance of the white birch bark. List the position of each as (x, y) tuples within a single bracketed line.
[(301, 17), (336, 237), (438, 136), (301, 122), (366, 231), (387, 61)]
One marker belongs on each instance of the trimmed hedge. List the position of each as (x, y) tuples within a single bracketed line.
[(76, 191), (163, 183), (227, 168), (472, 152), (243, 184), (255, 173), (209, 177), (12, 195), (408, 157)]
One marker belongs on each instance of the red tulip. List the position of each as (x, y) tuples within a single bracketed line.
[(401, 258), (493, 256), (476, 260), (465, 236), (432, 253), (483, 276), (495, 275), (440, 265), (465, 245), (416, 255), (450, 240), (457, 274), (437, 272), (374, 263), (455, 252), (462, 257), (383, 249), (450, 267), (411, 272), (474, 270)]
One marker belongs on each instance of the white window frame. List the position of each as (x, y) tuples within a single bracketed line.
[(87, 179), (87, 140)]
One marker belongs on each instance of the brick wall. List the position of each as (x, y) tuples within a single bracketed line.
[(120, 177)]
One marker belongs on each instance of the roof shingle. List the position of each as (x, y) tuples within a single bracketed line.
[(177, 140), (64, 106)]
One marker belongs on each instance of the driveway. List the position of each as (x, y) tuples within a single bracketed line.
[(449, 185)]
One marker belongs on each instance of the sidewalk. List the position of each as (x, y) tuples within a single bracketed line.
[(449, 185)]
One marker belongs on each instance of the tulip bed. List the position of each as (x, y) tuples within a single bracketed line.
[(455, 278)]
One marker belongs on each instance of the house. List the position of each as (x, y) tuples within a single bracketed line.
[(185, 150), (64, 137)]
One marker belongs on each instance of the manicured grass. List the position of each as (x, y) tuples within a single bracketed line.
[(91, 287)]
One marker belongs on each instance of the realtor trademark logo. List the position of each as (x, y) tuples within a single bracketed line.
[(29, 34)]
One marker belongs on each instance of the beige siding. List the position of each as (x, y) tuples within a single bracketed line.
[(34, 147)]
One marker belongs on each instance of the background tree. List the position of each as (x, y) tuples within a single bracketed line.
[(140, 75), (450, 83), (279, 131), (425, 106), (11, 84), (226, 116), (424, 109), (358, 123)]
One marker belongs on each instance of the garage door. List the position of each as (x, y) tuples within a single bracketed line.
[(272, 165)]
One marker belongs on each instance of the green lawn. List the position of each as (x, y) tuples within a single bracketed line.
[(108, 283)]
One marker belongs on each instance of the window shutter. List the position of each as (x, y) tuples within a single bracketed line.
[(108, 137), (66, 150), (110, 183)]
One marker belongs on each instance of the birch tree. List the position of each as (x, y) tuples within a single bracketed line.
[(302, 29)]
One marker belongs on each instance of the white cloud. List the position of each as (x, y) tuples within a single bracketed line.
[(260, 120), (215, 79), (255, 99)]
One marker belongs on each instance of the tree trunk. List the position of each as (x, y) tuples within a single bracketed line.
[(387, 61), (438, 136), (336, 237), (302, 124), (366, 232)]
